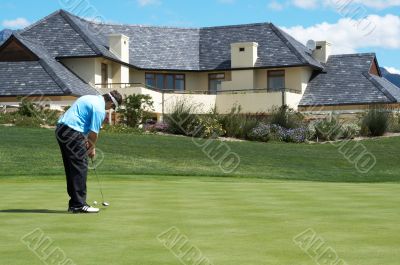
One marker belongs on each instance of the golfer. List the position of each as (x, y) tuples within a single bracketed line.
[(77, 132)]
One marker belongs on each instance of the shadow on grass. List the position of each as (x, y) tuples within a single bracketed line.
[(33, 211)]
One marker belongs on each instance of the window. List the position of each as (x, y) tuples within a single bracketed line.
[(214, 82), (104, 74), (242, 49), (165, 81), (276, 79)]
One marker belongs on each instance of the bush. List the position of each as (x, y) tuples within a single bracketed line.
[(134, 110), (297, 135), (394, 123), (156, 127), (350, 130), (238, 125), (26, 121), (28, 109), (262, 132), (120, 128), (328, 129), (30, 115), (375, 122), (266, 132), (181, 118), (206, 126), (286, 117)]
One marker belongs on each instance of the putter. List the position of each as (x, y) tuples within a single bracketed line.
[(105, 204)]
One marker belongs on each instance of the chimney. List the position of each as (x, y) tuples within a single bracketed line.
[(119, 45), (322, 51), (244, 54)]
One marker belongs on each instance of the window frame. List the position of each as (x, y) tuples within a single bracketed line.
[(183, 77), (270, 74), (210, 78)]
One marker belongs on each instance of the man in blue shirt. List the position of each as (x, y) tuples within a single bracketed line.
[(77, 132)]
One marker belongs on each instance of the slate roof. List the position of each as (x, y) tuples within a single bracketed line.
[(347, 80), (43, 77), (169, 48)]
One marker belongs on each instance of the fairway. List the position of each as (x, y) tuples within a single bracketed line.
[(231, 221)]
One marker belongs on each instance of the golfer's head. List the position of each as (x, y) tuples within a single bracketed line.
[(113, 100)]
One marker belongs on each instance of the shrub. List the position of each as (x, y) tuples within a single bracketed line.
[(238, 125), (328, 129), (30, 115), (375, 122), (181, 118), (394, 123), (297, 135), (262, 132), (266, 132), (134, 110), (206, 126), (120, 128), (286, 117), (156, 127), (350, 130), (28, 109)]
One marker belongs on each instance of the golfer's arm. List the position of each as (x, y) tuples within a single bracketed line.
[(92, 139)]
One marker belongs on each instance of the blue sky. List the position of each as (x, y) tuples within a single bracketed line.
[(351, 25)]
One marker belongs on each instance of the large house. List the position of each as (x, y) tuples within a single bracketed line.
[(256, 66)]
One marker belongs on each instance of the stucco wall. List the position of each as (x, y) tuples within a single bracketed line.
[(249, 102), (241, 79), (84, 68)]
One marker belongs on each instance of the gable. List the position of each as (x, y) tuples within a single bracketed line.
[(14, 51), (374, 70)]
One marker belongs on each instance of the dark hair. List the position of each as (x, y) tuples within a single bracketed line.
[(116, 95)]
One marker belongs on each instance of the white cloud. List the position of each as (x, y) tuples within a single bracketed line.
[(393, 70), (275, 5), (306, 4), (347, 35), (15, 23), (148, 2), (376, 4)]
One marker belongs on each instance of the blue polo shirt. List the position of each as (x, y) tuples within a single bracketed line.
[(86, 114)]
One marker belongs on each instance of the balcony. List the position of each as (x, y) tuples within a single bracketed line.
[(250, 100)]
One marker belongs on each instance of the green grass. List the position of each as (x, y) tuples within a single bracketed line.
[(35, 153), (247, 217), (231, 221)]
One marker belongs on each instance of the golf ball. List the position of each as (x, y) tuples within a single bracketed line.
[(95, 202)]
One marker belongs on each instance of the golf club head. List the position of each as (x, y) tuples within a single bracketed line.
[(105, 204)]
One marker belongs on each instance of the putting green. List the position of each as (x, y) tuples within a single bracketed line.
[(231, 221)]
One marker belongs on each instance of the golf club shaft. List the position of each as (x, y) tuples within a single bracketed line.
[(98, 181)]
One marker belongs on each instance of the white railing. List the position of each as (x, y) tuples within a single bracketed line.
[(250, 100)]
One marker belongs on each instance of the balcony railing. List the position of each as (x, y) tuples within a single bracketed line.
[(202, 92)]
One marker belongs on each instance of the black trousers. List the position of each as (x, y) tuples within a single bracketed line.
[(74, 154)]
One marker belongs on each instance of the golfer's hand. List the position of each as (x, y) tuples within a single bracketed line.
[(92, 152)]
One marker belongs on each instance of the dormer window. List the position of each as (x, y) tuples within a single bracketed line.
[(242, 49)]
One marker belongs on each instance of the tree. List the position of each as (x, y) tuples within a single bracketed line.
[(135, 108)]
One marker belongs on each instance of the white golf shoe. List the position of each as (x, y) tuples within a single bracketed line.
[(84, 209)]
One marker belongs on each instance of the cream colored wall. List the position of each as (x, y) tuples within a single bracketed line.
[(249, 102), (295, 78), (241, 79), (97, 72), (247, 58), (119, 45), (83, 67)]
